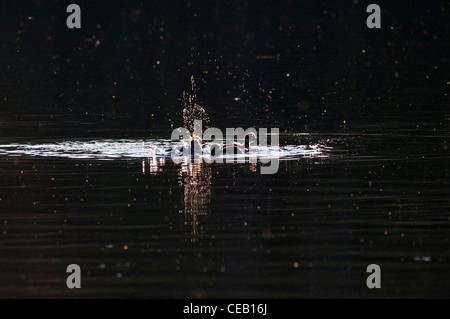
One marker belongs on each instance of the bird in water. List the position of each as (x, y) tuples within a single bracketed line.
[(192, 111)]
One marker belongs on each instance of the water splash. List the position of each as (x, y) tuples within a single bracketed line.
[(154, 149), (138, 149), (192, 110)]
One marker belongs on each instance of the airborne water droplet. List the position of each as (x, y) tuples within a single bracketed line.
[(192, 111)]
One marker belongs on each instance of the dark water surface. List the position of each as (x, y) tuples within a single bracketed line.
[(226, 231), (377, 100)]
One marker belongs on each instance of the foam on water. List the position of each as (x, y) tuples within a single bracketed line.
[(138, 149)]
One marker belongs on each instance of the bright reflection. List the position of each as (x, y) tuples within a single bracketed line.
[(196, 182), (194, 179)]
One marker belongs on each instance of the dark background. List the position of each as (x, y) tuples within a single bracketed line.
[(57, 82), (379, 98)]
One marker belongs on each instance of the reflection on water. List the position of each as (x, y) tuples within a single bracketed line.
[(196, 182), (195, 179), (153, 165), (309, 230)]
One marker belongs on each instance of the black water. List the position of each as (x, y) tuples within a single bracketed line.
[(378, 98)]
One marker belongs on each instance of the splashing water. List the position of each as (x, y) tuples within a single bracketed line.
[(138, 149), (192, 110), (152, 149)]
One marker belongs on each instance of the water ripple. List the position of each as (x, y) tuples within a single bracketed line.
[(135, 149)]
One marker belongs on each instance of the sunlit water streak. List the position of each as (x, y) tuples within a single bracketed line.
[(138, 149), (195, 179)]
